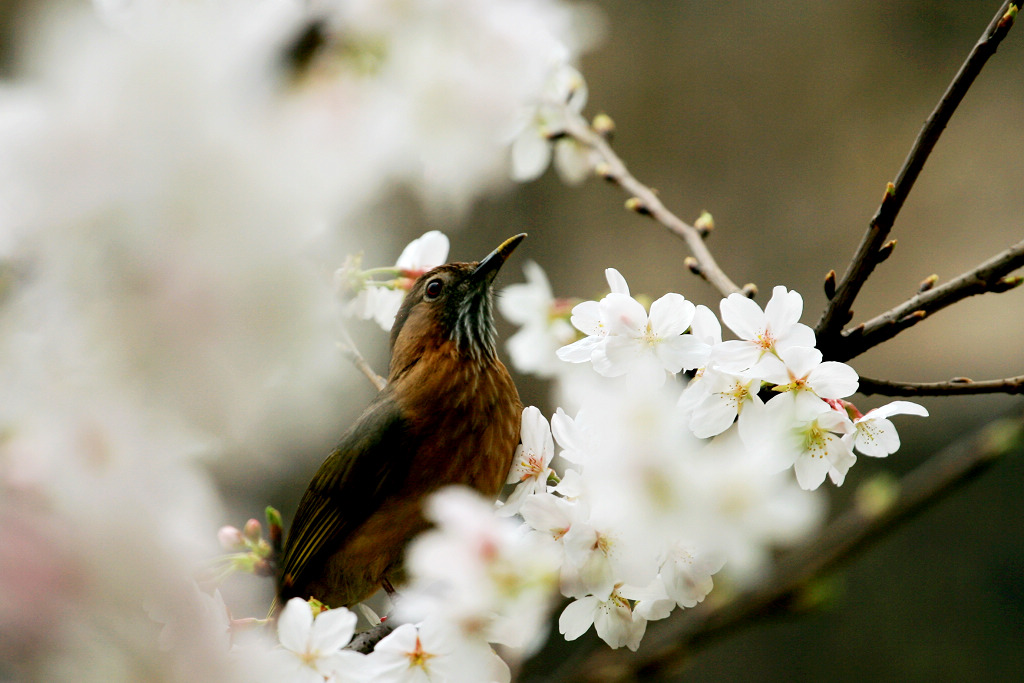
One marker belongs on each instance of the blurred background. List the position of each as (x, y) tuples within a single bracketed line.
[(785, 120)]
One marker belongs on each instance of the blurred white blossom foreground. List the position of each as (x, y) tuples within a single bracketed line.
[(176, 178)]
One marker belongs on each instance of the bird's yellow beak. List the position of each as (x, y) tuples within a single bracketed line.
[(488, 268)]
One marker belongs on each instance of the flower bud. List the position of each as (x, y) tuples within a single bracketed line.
[(253, 531), (230, 538)]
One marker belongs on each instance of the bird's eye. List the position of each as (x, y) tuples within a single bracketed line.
[(434, 288)]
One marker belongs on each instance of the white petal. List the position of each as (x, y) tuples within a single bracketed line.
[(580, 351), (294, 624), (573, 161), (587, 318), (896, 408), (784, 309), (332, 630), (735, 355), (531, 154), (800, 360), (706, 326), (810, 470), (671, 315), (742, 316), (425, 252), (536, 434), (623, 315), (617, 356), (616, 283), (681, 352), (797, 335), (833, 380), (577, 617)]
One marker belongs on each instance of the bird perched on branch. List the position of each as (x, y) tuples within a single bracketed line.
[(449, 414)]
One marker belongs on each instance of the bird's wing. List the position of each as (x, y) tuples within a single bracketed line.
[(370, 463)]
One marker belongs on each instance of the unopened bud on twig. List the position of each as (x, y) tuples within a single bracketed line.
[(848, 317), (1007, 283), (275, 528), (830, 285), (694, 265), (912, 318), (636, 204), (928, 283), (961, 380), (749, 290), (885, 251), (604, 170), (252, 531), (704, 224), (230, 538), (1007, 20), (604, 126), (890, 192)]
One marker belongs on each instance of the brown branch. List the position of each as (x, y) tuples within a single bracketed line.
[(348, 347), (367, 640), (958, 386), (990, 276), (645, 201), (668, 643), (838, 310)]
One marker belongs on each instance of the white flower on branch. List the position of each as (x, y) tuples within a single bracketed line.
[(611, 616), (530, 464), (623, 339), (434, 651), (314, 647), (760, 333), (544, 326), (380, 300), (875, 435), (542, 128)]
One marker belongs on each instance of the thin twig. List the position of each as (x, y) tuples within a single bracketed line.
[(838, 310), (613, 169), (990, 276), (669, 642), (348, 347), (958, 386)]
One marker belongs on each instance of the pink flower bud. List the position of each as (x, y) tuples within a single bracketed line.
[(230, 538), (253, 530)]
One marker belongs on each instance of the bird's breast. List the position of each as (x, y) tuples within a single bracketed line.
[(467, 417)]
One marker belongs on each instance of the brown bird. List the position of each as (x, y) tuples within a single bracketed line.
[(449, 414)]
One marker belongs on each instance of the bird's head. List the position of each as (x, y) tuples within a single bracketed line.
[(450, 306)]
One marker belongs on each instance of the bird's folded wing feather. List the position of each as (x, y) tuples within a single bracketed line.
[(369, 464)]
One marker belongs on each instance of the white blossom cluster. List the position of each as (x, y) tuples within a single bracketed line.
[(174, 184)]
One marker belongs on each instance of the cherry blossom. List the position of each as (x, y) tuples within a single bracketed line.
[(543, 321), (432, 652), (612, 617), (313, 647), (875, 434), (530, 470), (775, 328), (532, 147)]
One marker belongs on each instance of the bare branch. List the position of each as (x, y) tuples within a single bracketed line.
[(643, 200), (990, 276), (348, 347), (367, 640), (958, 386), (669, 642), (838, 310)]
